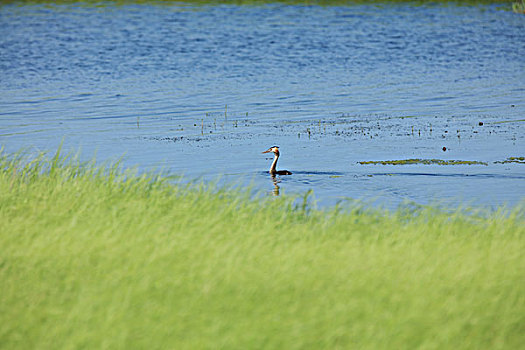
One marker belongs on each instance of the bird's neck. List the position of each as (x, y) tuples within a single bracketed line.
[(273, 168)]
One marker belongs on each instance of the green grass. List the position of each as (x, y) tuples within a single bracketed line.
[(519, 6), (94, 258), (256, 2)]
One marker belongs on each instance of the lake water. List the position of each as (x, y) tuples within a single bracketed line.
[(201, 91)]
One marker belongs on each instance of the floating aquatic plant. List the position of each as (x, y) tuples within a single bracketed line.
[(423, 161), (519, 160)]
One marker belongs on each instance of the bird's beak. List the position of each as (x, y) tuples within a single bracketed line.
[(268, 151)]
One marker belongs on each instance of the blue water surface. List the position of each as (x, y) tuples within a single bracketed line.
[(201, 91)]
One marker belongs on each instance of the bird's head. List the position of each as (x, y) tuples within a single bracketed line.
[(273, 149)]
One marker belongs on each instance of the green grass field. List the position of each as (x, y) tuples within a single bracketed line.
[(98, 258)]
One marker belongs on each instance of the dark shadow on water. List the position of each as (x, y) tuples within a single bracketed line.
[(328, 173), (320, 173)]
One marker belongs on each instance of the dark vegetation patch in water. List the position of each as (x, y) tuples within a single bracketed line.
[(423, 161), (373, 126), (519, 160)]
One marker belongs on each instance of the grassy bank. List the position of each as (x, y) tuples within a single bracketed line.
[(94, 258)]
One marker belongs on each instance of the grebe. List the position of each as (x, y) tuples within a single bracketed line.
[(273, 171)]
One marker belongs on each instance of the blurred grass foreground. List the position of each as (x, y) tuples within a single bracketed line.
[(97, 257)]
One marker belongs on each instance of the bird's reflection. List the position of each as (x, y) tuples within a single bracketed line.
[(276, 187)]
